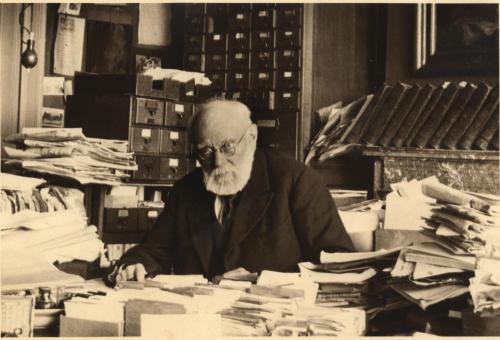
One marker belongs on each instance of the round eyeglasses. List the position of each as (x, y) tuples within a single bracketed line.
[(227, 148)]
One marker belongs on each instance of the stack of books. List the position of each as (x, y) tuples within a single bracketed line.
[(447, 116)]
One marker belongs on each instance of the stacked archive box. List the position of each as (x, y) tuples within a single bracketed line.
[(251, 53)]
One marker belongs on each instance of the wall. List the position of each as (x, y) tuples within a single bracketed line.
[(401, 46), (20, 90)]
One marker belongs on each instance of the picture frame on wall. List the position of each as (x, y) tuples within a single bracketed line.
[(458, 39)]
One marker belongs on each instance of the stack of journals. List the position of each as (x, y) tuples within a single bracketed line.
[(345, 198), (454, 115), (68, 153)]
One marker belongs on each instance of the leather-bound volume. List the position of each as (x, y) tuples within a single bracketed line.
[(427, 110), (399, 115), (355, 125), (385, 114), (452, 115), (482, 117), (364, 118), (437, 115), (488, 132), (467, 116), (411, 118)]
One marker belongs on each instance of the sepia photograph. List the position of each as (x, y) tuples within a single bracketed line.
[(192, 170)]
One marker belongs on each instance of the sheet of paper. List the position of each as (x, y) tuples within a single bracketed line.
[(405, 213), (322, 277), (53, 86), (180, 280), (68, 51), (348, 257), (22, 183), (181, 326)]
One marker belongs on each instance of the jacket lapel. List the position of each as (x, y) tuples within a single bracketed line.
[(253, 203), (201, 223)]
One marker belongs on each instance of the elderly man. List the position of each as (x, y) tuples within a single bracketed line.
[(244, 208)]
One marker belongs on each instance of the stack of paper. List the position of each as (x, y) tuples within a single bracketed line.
[(68, 153), (350, 279), (485, 286), (430, 273), (463, 221)]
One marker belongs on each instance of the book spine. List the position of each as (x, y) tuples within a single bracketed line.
[(386, 113), (399, 115), (436, 116), (438, 93), (356, 124), (421, 102), (452, 115), (468, 115), (358, 130), (480, 120), (488, 132), (384, 97)]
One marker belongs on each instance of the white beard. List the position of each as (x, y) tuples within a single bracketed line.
[(230, 179)]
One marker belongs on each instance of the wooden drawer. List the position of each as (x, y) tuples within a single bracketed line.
[(178, 114), (288, 38), (287, 79), (194, 43), (149, 111), (262, 80), (263, 40), (194, 62), (285, 100), (238, 80), (120, 220), (174, 141), (288, 17), (263, 18), (262, 60), (218, 79), (149, 168), (147, 218), (146, 140), (288, 58), (194, 24), (215, 42), (239, 21), (238, 60), (215, 61), (239, 40), (172, 168)]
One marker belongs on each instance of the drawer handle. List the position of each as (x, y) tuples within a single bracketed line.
[(180, 115), (174, 170)]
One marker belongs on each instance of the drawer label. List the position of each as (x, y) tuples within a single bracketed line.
[(173, 162), (238, 76), (238, 56), (288, 33), (287, 74), (174, 135), (266, 123), (263, 75), (287, 95), (217, 37), (146, 133), (123, 213), (152, 214), (179, 108), (240, 16)]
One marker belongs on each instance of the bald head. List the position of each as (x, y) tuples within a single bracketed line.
[(220, 119)]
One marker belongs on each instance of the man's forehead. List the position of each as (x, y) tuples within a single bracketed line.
[(222, 121)]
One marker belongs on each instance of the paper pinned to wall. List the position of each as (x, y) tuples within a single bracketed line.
[(154, 24), (68, 51)]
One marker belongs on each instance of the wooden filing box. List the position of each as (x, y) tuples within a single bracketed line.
[(120, 219), (239, 20), (239, 41)]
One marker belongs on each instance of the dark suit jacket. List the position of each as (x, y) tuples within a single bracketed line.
[(285, 215)]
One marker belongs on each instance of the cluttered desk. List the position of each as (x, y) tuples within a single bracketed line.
[(434, 270)]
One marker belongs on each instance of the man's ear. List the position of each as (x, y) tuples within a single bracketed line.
[(253, 131)]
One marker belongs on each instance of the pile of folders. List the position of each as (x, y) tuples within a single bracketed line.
[(451, 115)]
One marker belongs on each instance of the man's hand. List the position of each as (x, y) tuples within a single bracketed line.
[(132, 272)]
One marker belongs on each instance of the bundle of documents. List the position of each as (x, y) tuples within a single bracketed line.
[(177, 75), (430, 273), (485, 286), (350, 279), (68, 153)]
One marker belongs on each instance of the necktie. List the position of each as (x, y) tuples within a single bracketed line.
[(226, 205)]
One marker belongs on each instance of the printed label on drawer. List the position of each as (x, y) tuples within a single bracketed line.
[(287, 53), (146, 133), (262, 13), (192, 58), (173, 162), (238, 56), (216, 37), (238, 75), (152, 214), (179, 108), (264, 35), (123, 213), (263, 75), (240, 35), (289, 12), (264, 55), (288, 33), (216, 57), (240, 16), (266, 123), (174, 135), (287, 95), (287, 74)]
